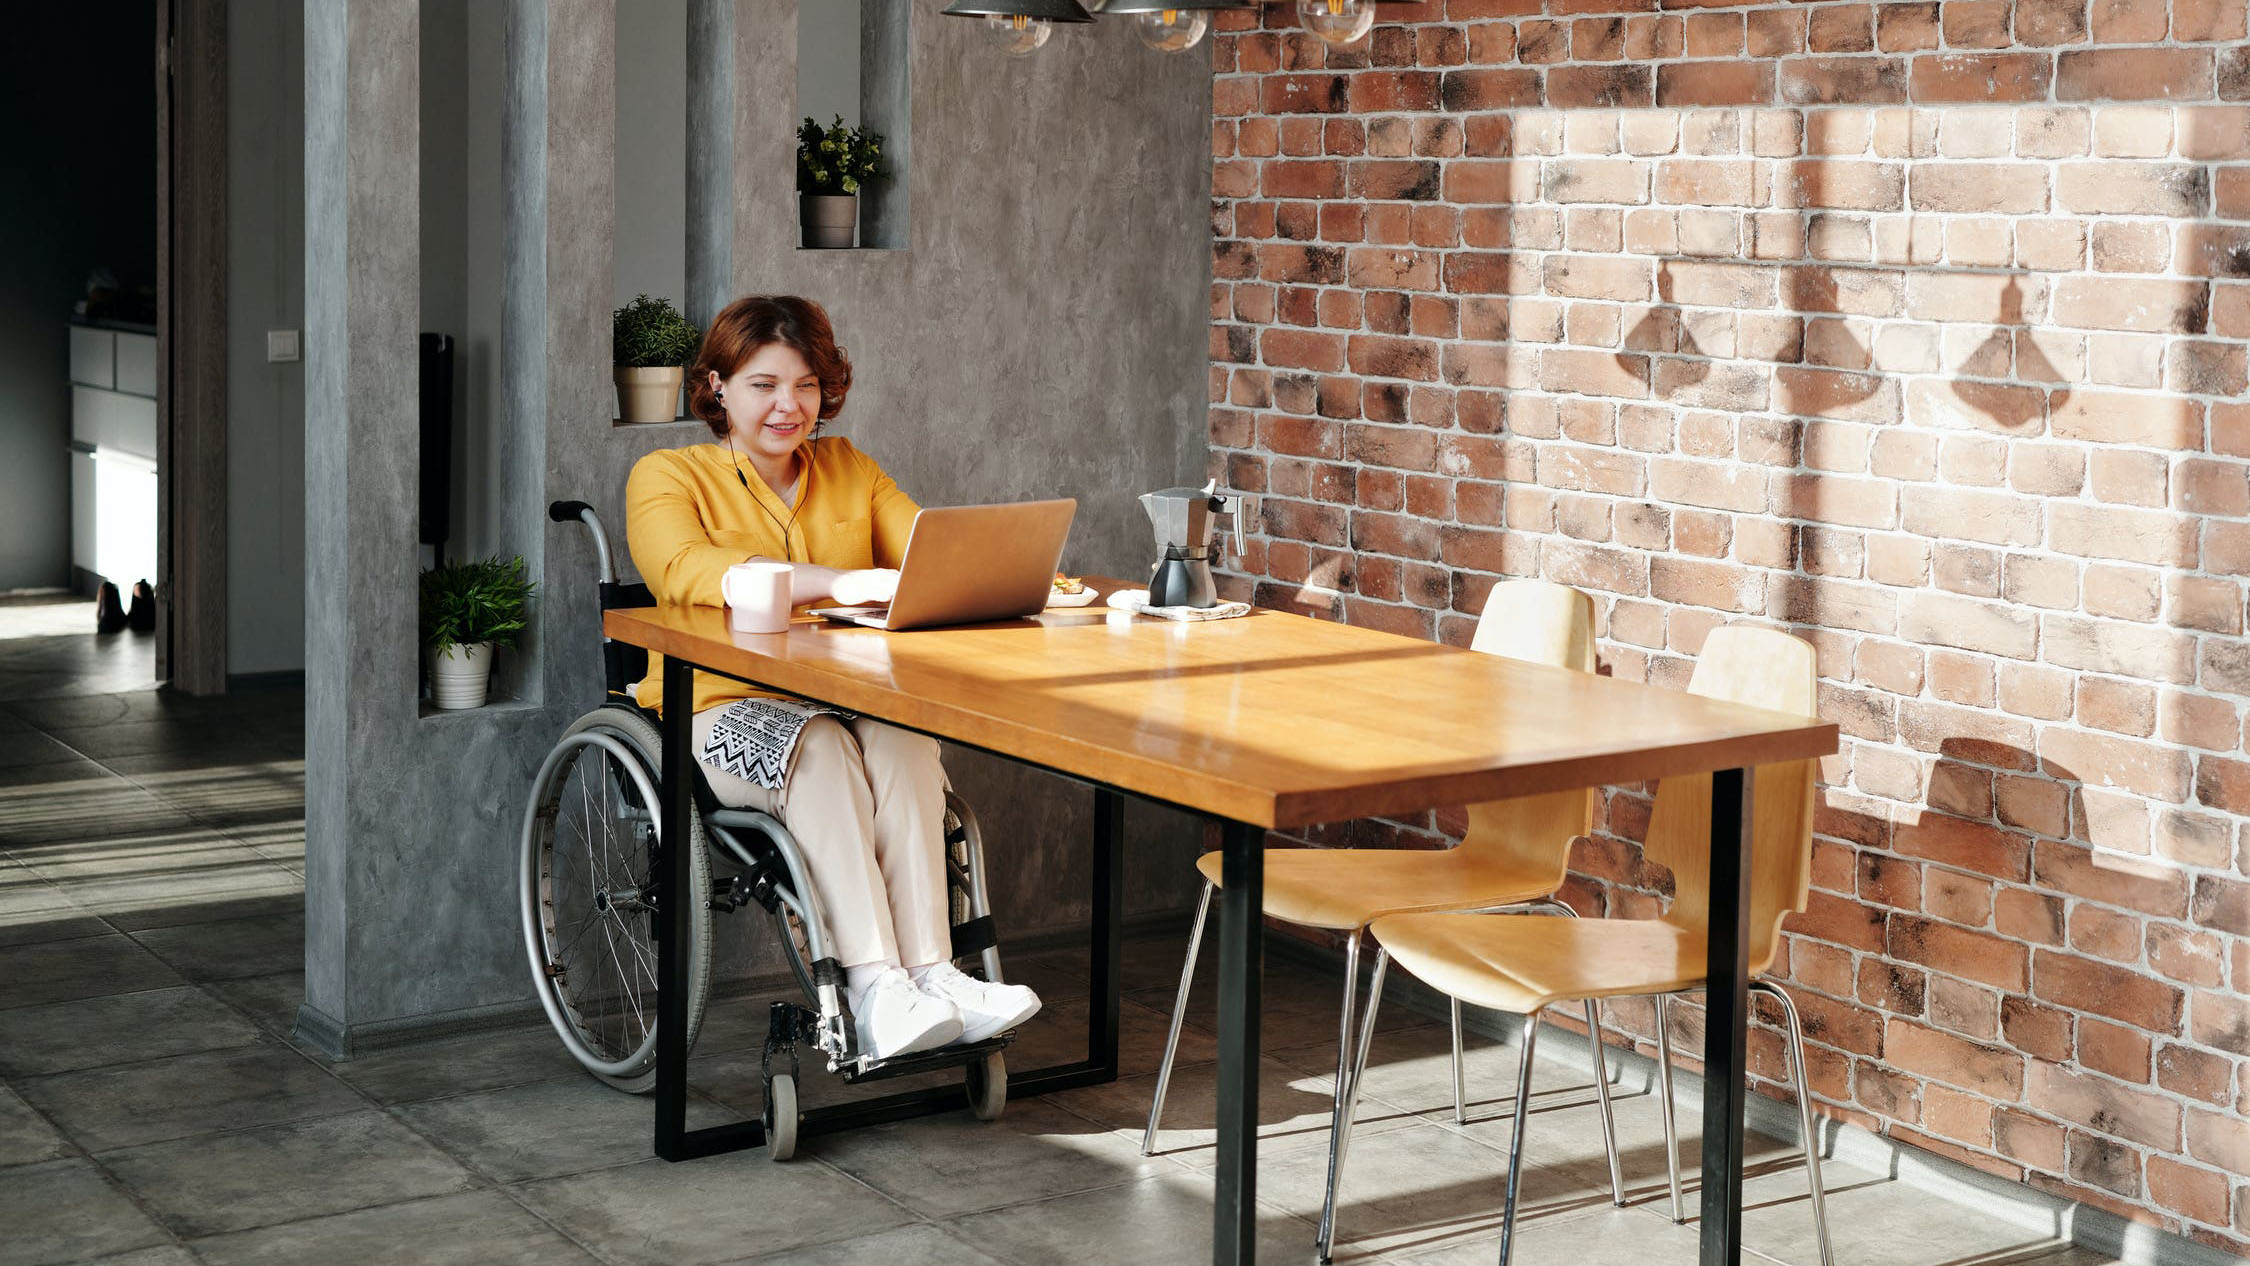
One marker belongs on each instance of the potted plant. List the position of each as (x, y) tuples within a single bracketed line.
[(832, 163), (650, 341), (467, 609)]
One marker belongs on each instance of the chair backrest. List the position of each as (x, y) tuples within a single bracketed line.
[(1762, 668), (1544, 623), (1539, 621)]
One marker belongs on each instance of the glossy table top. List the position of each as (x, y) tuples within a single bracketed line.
[(1273, 719)]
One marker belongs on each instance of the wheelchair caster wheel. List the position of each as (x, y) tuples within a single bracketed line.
[(781, 1117), (988, 1087)]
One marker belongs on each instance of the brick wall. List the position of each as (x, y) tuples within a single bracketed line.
[(1916, 328)]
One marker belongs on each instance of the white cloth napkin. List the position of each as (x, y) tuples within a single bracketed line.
[(1136, 601)]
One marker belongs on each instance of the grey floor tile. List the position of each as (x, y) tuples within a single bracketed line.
[(483, 1228), (33, 747), (285, 1173), (1162, 1218), (47, 819), (1057, 1035), (1866, 1215), (89, 967), (126, 1105), (286, 899), (921, 1245), (1606, 1237), (1402, 1187), (262, 793), (546, 1129), (694, 1213), (65, 1211), (25, 1136), (1294, 1111), (58, 1037), (479, 1061), (222, 949), (33, 910), (166, 1255), (47, 779), (942, 1165), (271, 1002), (209, 741)]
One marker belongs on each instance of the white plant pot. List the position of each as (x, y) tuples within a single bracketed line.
[(649, 395), (459, 675)]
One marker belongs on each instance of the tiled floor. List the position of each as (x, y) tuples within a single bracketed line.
[(153, 1110)]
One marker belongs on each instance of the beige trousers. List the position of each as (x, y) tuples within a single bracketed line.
[(866, 802)]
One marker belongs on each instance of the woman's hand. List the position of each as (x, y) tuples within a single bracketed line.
[(866, 585)]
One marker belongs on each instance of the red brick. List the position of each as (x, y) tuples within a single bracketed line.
[(2133, 74), (2082, 984), (1981, 77), (1926, 1052), (1714, 83)]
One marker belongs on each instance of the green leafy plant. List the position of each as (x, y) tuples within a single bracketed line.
[(486, 600), (651, 334), (836, 159)]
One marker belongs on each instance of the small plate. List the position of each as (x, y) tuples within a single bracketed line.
[(1085, 597)]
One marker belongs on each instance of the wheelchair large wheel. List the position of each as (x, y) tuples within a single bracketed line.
[(588, 895)]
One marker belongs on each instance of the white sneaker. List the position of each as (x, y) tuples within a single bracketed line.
[(894, 1018), (985, 1008)]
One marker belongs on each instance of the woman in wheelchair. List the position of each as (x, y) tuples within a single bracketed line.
[(865, 800)]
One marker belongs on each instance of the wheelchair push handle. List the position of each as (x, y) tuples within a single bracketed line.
[(567, 511)]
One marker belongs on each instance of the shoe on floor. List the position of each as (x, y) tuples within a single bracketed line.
[(109, 610), (141, 616), (894, 1018), (986, 1008)]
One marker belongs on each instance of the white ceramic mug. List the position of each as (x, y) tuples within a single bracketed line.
[(757, 597)]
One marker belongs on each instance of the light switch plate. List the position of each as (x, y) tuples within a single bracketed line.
[(281, 346)]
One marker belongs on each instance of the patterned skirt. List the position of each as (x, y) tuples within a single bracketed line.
[(753, 738)]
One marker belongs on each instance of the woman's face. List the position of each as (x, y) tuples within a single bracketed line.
[(772, 402)]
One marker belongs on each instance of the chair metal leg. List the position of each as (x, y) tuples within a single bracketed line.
[(1179, 1013), (1460, 1083), (1347, 1072), (1340, 1137), (1805, 1114), (1664, 1077), (1601, 1092), (1518, 1129)]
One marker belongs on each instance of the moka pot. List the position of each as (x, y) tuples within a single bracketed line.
[(1187, 522)]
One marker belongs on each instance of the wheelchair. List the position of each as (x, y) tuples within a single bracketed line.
[(589, 891)]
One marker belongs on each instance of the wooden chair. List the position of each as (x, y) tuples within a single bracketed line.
[(1520, 965), (1516, 853)]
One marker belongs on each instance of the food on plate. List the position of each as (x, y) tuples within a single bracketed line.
[(1069, 584)]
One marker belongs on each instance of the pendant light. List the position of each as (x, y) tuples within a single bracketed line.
[(1170, 26), (1336, 21), (1019, 27)]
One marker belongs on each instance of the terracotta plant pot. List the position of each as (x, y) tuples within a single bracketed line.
[(830, 220), (460, 675), (649, 395)]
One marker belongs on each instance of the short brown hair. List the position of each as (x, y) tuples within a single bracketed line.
[(752, 322)]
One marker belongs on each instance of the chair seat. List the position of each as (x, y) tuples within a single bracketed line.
[(1520, 963), (1346, 888)]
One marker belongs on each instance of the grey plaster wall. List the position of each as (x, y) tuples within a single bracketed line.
[(650, 255), (81, 195), (1042, 333), (265, 291)]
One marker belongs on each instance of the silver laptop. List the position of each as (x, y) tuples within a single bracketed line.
[(966, 564)]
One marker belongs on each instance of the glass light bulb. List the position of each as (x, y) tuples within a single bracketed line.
[(1017, 35), (1336, 21), (1172, 30)]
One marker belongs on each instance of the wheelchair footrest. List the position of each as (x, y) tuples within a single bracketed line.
[(925, 1061)]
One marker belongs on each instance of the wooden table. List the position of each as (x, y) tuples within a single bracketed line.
[(1269, 721)]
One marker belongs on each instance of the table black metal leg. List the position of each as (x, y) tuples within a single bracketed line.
[(678, 792), (1234, 1228), (1109, 931), (1726, 1055)]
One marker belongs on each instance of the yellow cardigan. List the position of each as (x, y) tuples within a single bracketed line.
[(688, 518)]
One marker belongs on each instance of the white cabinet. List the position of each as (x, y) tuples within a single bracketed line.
[(113, 453)]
